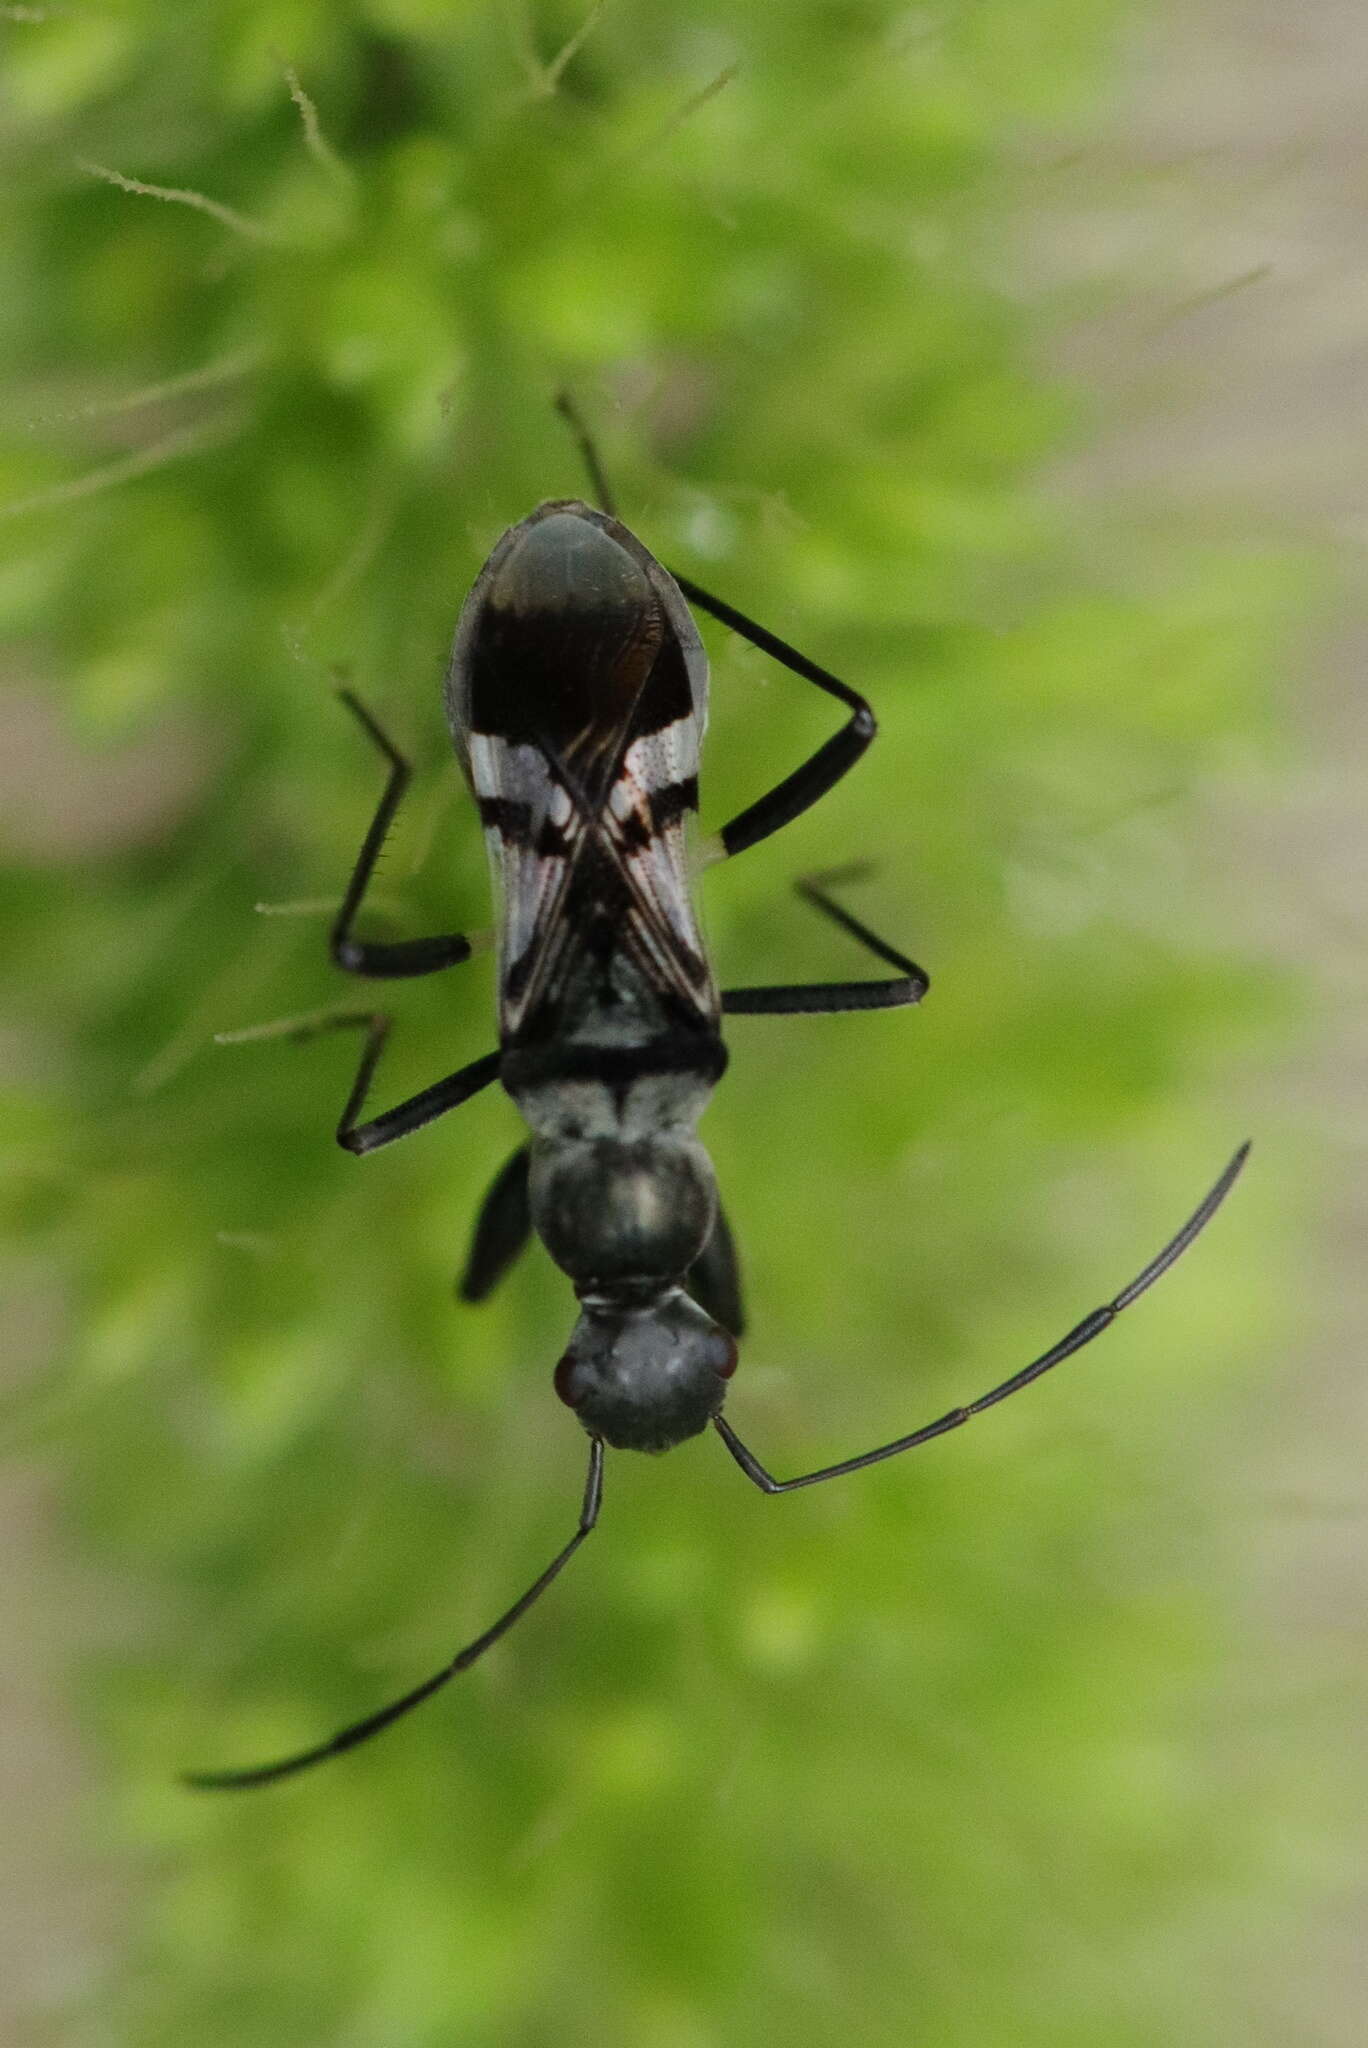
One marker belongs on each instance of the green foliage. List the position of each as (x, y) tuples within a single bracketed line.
[(918, 1758)]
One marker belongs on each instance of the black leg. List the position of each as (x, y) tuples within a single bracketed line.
[(714, 1279), (361, 1731), (822, 770), (408, 1116), (814, 996), (394, 959), (1083, 1333), (503, 1228), (420, 1109)]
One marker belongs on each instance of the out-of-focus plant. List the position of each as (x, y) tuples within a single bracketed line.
[(285, 291)]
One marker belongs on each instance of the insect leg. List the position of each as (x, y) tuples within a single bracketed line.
[(502, 1230), (714, 1279), (407, 1116), (1083, 1333), (361, 1731), (395, 958), (822, 770), (420, 1109), (814, 996)]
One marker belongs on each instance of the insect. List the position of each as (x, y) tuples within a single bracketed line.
[(577, 697)]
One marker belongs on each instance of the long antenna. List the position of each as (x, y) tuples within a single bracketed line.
[(361, 1731), (1082, 1333), (570, 413)]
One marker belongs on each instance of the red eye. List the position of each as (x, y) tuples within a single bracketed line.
[(725, 1370), (564, 1377)]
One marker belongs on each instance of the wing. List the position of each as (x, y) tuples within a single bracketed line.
[(628, 858), (534, 834), (577, 696), (644, 824)]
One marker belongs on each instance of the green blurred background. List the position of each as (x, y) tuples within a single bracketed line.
[(990, 1746)]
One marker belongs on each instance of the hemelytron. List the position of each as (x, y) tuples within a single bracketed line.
[(577, 696)]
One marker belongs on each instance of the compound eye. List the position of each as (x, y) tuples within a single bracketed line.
[(727, 1365), (564, 1379)]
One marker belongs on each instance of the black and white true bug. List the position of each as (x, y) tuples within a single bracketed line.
[(577, 699)]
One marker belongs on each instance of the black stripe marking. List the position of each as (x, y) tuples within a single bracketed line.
[(665, 806), (681, 1052), (506, 816), (633, 833), (552, 842), (669, 805)]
